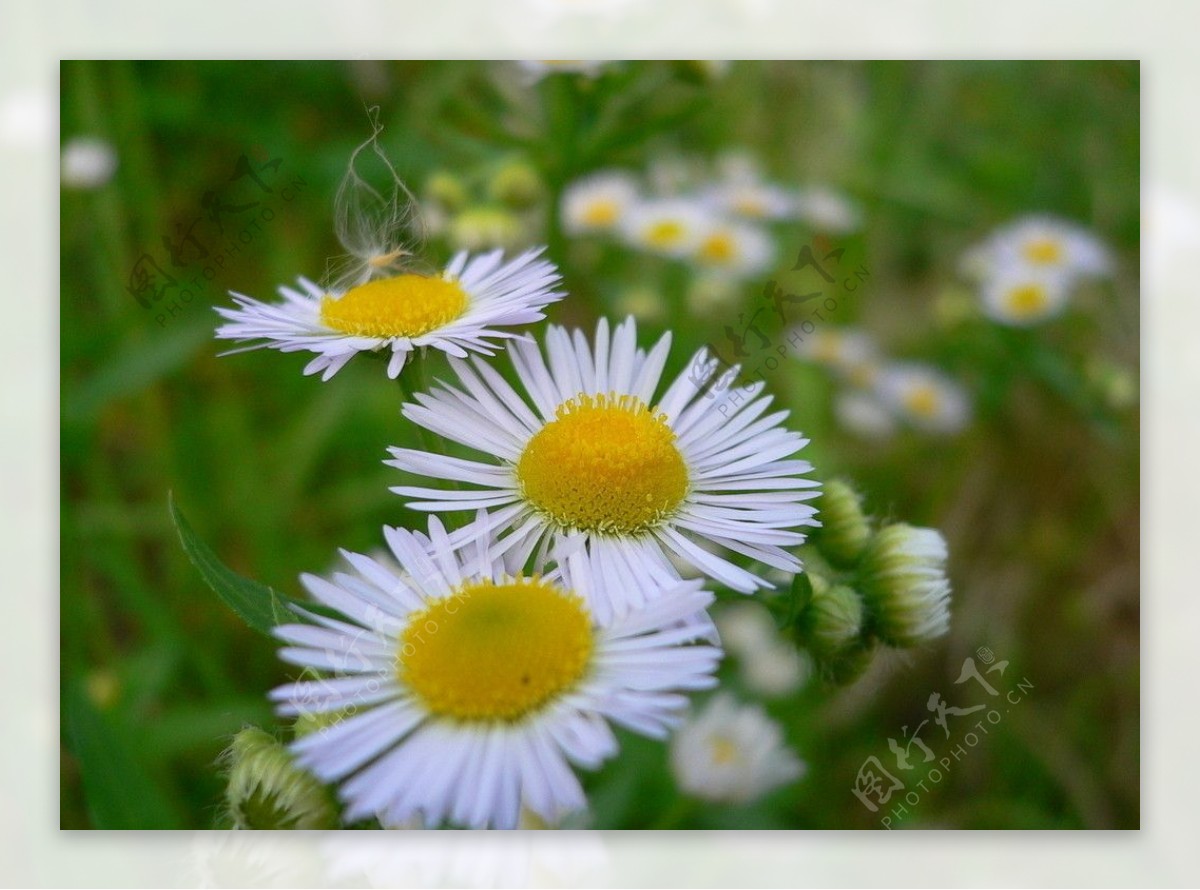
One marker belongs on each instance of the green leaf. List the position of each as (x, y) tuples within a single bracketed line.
[(802, 594), (120, 792), (256, 604)]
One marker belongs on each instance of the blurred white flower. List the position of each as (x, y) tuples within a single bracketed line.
[(849, 352), (860, 412), (732, 753), (87, 163), (752, 199), (1023, 296), (776, 670), (1044, 243), (734, 249), (668, 226), (769, 665), (924, 397), (598, 202), (827, 210), (744, 627)]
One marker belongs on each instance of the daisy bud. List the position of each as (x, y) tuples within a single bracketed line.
[(832, 622), (904, 583), (447, 190), (516, 184), (845, 528), (267, 791), (484, 227)]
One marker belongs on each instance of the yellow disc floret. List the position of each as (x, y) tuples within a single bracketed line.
[(665, 233), (402, 306), (601, 213), (496, 651), (1044, 251), (605, 464), (922, 400), (1027, 300), (719, 247)]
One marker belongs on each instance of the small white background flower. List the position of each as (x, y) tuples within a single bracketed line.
[(732, 753)]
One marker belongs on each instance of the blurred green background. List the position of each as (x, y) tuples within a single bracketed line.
[(1039, 499)]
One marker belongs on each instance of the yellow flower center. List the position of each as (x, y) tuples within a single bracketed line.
[(749, 205), (828, 348), (602, 212), (718, 248), (723, 750), (922, 400), (1044, 252), (605, 464), (403, 306), (496, 651), (665, 233), (1027, 300)]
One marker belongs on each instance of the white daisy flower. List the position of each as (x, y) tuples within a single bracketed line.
[(87, 163), (734, 249), (751, 198), (1023, 296), (470, 691), (457, 312), (851, 353), (828, 210), (668, 226), (924, 397), (598, 460), (1049, 245), (732, 753), (599, 202)]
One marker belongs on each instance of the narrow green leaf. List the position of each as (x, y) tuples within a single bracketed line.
[(802, 594), (256, 604), (120, 792)]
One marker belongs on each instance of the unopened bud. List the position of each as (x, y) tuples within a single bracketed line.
[(832, 622), (478, 228), (447, 190), (845, 528), (903, 574), (516, 184), (266, 790)]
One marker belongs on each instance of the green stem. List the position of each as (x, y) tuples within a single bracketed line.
[(408, 389)]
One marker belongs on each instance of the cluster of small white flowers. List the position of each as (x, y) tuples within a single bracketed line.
[(1026, 270), (720, 224), (878, 395)]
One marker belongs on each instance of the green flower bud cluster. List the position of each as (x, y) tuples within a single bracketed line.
[(881, 585), (265, 790), (491, 209)]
